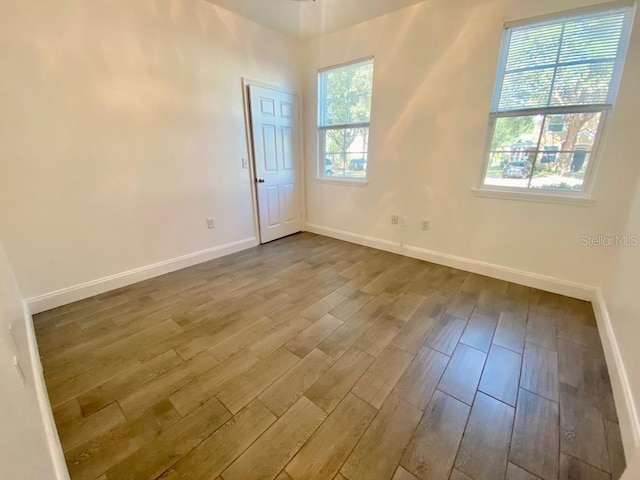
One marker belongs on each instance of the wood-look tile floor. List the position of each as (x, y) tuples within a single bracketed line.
[(311, 358)]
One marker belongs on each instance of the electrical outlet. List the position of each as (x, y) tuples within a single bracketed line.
[(426, 225), (395, 219), (403, 221), (210, 223)]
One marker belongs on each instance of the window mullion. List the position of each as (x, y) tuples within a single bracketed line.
[(344, 97), (345, 125), (552, 110), (535, 159), (502, 66), (323, 99), (557, 63), (584, 42), (344, 153), (555, 68), (621, 54)]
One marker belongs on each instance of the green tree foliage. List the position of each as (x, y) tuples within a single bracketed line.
[(348, 100), (533, 81), (510, 130)]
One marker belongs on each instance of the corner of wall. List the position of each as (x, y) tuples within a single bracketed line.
[(542, 282), (75, 293), (46, 412), (627, 413)]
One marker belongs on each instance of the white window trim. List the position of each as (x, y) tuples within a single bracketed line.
[(320, 172), (350, 181), (529, 196), (584, 197)]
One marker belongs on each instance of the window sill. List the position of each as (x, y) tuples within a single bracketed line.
[(348, 182), (558, 199)]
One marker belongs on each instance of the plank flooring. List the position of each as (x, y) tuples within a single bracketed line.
[(312, 358)]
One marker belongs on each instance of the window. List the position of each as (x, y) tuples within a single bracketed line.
[(557, 80), (344, 113)]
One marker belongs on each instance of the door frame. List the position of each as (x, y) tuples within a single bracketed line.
[(246, 103)]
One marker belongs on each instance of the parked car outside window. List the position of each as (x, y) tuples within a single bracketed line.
[(357, 164), (328, 167), (517, 169)]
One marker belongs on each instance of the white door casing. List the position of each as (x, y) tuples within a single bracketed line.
[(274, 123)]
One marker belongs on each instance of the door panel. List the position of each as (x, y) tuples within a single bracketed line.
[(289, 191), (286, 110), (277, 166), (287, 148), (267, 107), (270, 147), (273, 205)]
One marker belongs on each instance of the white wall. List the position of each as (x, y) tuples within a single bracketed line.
[(435, 65), (633, 468), (122, 130), (25, 414), (622, 301)]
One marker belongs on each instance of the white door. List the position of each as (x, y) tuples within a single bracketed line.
[(274, 122)]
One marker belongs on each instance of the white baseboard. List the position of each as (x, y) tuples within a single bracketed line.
[(541, 282), (51, 433), (625, 405), (64, 296), (629, 418)]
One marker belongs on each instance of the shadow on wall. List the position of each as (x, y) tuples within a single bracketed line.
[(124, 117), (408, 93)]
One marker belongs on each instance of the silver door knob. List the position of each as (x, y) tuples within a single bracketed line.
[(260, 180)]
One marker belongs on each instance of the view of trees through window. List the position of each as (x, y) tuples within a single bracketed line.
[(345, 112), (542, 151), (556, 85)]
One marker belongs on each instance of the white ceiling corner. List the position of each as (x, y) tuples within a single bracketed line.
[(306, 19)]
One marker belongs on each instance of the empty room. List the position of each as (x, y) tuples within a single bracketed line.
[(320, 240)]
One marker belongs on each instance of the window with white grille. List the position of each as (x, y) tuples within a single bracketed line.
[(344, 114), (557, 81)]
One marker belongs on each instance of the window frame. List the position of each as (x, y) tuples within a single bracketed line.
[(321, 129), (584, 196)]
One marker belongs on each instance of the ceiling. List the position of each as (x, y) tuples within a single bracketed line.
[(305, 19)]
